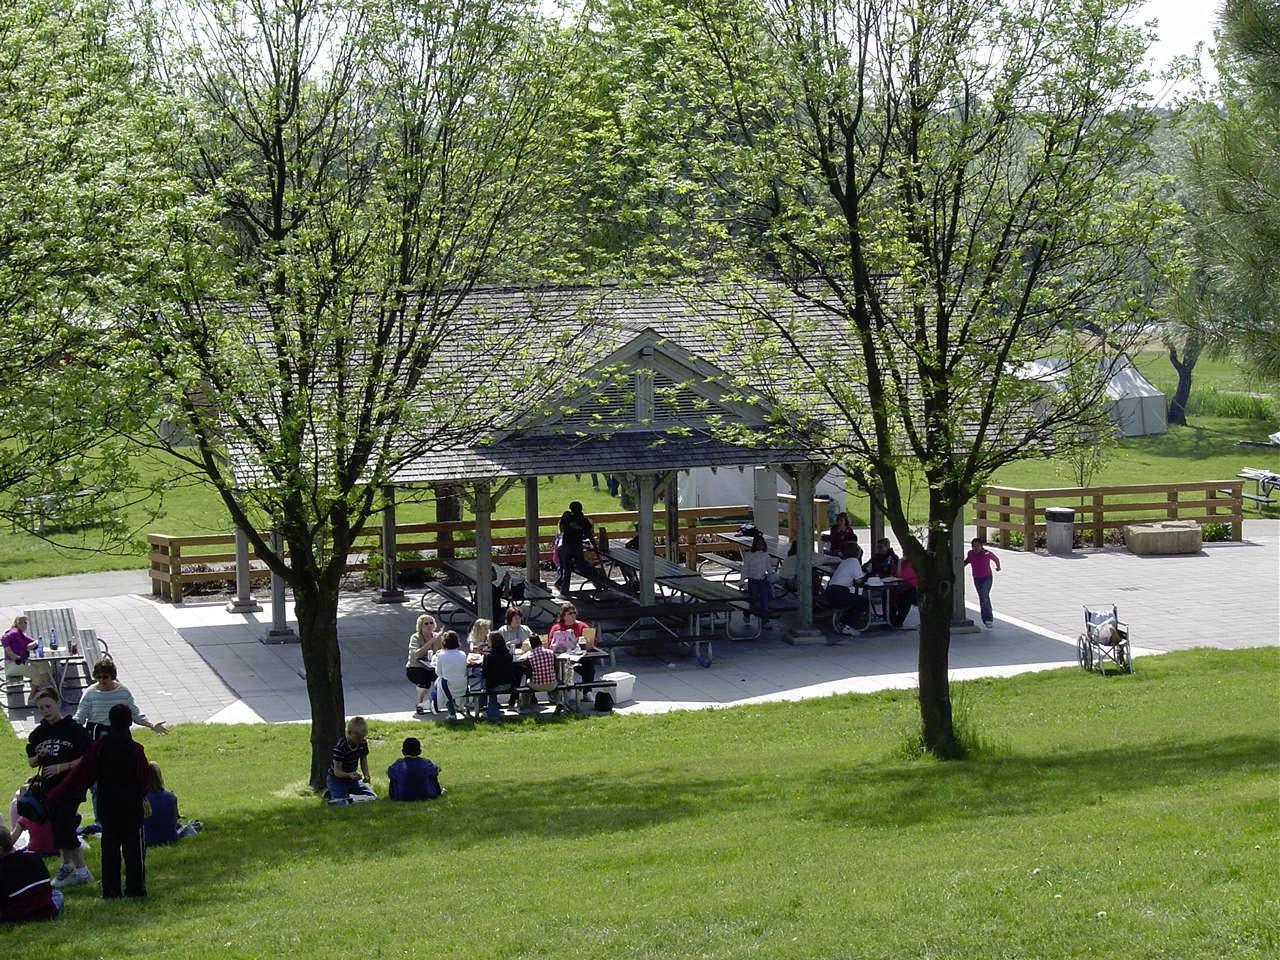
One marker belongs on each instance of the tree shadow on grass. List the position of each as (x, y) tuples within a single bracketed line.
[(915, 794)]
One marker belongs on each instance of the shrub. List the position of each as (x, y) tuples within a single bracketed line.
[(1214, 532)]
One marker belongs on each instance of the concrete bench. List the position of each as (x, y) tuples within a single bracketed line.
[(1163, 538)]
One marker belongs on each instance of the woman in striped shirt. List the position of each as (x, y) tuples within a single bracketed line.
[(95, 705)]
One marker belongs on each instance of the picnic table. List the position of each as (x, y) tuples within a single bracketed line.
[(1266, 483), (629, 561)]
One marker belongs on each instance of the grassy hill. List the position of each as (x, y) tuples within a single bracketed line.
[(1120, 817)]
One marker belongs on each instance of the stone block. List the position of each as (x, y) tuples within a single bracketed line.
[(1163, 537)]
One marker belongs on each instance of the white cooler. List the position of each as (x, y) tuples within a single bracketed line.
[(624, 685)]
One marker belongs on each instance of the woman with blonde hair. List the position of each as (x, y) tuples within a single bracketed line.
[(419, 668)]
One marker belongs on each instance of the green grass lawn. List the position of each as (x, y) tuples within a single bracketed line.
[(1124, 816)]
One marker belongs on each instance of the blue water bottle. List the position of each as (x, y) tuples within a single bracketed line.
[(40, 645)]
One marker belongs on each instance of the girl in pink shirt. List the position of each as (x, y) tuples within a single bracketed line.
[(980, 560)]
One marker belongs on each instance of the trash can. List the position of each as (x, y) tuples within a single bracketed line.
[(1060, 530)]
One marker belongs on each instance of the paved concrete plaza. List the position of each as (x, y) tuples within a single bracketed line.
[(196, 662)]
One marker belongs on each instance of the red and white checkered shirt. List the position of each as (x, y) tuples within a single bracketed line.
[(542, 666)]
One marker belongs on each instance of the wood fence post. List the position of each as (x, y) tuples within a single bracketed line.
[(980, 514), (1098, 500), (175, 571), (1237, 511), (691, 549), (1171, 511), (1029, 522), (1004, 515)]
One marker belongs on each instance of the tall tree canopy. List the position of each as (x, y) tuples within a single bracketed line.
[(1236, 166), (355, 170), (81, 203), (955, 184)]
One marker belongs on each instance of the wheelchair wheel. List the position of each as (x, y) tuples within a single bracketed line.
[(858, 617), (1084, 652)]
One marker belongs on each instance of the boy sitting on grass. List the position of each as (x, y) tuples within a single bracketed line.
[(413, 778), (346, 785)]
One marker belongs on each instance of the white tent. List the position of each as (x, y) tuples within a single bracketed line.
[(1135, 406)]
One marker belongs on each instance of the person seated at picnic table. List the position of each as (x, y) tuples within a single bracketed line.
[(26, 892), (478, 638), (842, 533), (576, 530), (906, 593), (564, 637), (423, 643), (756, 567), (500, 672), (787, 571), (883, 561), (542, 668), (515, 634), (412, 777), (18, 648), (451, 674), (94, 709), (840, 595)]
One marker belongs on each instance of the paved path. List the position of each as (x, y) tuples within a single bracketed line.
[(197, 662)]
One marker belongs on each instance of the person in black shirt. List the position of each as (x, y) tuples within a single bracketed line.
[(55, 746), (576, 530), (25, 890), (118, 765), (500, 671)]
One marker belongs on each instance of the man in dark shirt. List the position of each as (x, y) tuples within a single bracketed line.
[(25, 890), (55, 746), (412, 777)]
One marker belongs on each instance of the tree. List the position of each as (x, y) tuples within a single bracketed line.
[(82, 204), (356, 171), (951, 185), (1236, 167)]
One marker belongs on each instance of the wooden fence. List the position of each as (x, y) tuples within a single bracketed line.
[(177, 561), (1099, 509)]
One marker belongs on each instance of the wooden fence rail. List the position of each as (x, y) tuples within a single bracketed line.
[(172, 559), (1099, 509)]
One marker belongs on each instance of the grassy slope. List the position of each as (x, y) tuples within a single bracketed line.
[(1122, 817)]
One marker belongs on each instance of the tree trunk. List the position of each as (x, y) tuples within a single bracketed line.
[(317, 610), (1178, 403), (936, 575)]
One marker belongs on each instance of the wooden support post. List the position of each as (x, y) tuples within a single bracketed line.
[(645, 545), (1028, 523), (691, 543), (764, 501), (244, 602), (673, 517), (803, 484), (1099, 534), (532, 561), (280, 631), (484, 552), (390, 592), (1003, 536)]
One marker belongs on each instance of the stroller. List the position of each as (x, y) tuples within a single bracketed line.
[(1105, 640)]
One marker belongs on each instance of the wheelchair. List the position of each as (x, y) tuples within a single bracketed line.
[(1105, 640)]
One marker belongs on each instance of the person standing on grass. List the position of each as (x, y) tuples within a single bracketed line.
[(346, 785), (25, 890), (979, 560), (118, 765), (55, 747), (95, 706)]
